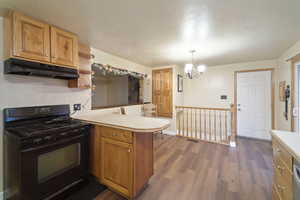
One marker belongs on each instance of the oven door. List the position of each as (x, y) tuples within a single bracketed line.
[(48, 169)]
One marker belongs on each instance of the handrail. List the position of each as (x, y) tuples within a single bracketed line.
[(204, 108), (208, 124)]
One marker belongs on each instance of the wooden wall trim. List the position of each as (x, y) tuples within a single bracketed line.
[(293, 60)]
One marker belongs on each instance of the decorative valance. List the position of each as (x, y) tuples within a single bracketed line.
[(107, 70)]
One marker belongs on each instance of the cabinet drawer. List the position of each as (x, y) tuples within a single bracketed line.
[(283, 181), (117, 134), (279, 153)]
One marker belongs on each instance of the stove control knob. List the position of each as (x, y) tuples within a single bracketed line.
[(64, 134), (37, 140)]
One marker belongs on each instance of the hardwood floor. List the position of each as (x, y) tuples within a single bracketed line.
[(186, 170)]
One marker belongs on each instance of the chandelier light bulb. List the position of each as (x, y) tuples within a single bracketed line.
[(201, 68), (188, 68)]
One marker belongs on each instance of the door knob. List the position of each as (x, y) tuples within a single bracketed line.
[(239, 109)]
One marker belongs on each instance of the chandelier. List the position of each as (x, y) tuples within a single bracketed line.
[(191, 71)]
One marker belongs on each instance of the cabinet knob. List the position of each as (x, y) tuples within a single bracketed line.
[(129, 150)]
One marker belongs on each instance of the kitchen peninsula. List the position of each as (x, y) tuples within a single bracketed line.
[(121, 150)]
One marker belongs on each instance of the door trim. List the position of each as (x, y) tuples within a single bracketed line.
[(294, 61), (272, 94)]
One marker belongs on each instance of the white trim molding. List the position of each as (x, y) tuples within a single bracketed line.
[(169, 132)]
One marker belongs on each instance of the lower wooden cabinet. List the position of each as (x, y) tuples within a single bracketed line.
[(117, 165), (283, 174), (121, 160)]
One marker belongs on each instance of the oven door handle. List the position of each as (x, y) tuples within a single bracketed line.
[(52, 144)]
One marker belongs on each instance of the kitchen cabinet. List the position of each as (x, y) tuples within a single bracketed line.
[(30, 39), (64, 47), (122, 159), (116, 165), (283, 172)]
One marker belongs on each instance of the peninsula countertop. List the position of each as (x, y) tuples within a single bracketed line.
[(290, 140), (132, 123)]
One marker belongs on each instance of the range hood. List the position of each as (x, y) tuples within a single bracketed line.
[(23, 67)]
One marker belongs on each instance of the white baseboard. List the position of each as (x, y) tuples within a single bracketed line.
[(1, 196), (169, 132)]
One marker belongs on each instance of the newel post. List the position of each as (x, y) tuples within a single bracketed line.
[(233, 126)]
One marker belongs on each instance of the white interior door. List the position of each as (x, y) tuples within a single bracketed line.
[(254, 112)]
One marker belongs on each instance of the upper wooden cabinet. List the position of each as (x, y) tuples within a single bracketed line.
[(64, 47), (30, 39)]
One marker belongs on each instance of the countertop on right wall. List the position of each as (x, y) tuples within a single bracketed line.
[(290, 140)]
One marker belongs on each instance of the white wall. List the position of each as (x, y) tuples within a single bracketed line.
[(284, 74), (217, 81)]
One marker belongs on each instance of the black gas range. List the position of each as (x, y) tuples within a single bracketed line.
[(46, 152)]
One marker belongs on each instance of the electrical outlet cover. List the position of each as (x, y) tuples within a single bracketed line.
[(77, 106)]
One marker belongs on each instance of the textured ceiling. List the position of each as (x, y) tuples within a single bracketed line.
[(161, 32)]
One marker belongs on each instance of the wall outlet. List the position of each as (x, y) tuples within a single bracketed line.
[(77, 107)]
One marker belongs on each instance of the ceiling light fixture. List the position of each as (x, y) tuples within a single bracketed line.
[(191, 71)]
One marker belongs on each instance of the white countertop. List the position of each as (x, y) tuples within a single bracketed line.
[(290, 140), (133, 123)]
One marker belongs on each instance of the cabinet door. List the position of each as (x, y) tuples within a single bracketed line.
[(64, 48), (166, 94), (31, 38), (117, 166)]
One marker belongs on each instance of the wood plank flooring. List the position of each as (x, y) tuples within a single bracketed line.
[(185, 170)]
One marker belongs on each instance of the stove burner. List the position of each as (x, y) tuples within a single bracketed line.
[(37, 127)]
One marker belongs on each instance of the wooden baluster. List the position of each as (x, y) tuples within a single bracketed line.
[(200, 120), (182, 122), (215, 124), (195, 117), (185, 119), (187, 122), (178, 115), (226, 136), (220, 131), (205, 125), (209, 120), (191, 122)]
